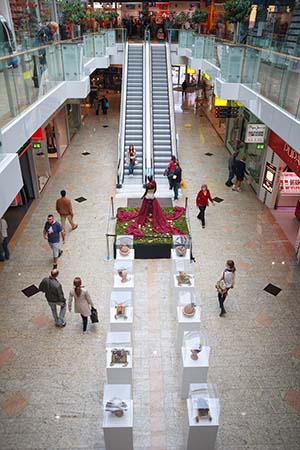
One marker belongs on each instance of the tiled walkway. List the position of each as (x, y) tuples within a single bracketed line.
[(52, 379)]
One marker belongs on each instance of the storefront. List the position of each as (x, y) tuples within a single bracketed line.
[(280, 185), (246, 134)]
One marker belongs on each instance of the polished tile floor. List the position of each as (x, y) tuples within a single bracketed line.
[(52, 379)]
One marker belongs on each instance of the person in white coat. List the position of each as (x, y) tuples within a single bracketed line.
[(225, 283), (83, 302)]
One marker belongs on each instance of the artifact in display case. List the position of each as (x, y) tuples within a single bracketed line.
[(119, 356), (193, 342), (116, 406), (202, 409), (204, 402), (124, 246), (181, 244), (184, 274), (121, 310), (123, 276)]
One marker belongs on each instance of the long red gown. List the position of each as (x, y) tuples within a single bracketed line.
[(160, 221)]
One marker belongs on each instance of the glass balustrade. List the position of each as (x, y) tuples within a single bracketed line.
[(28, 75)]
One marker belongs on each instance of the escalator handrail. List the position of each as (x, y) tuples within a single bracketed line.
[(148, 113), (171, 103), (120, 176)]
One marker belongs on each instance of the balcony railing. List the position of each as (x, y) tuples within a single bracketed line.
[(28, 75), (274, 75)]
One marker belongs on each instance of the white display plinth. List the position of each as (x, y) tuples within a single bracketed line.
[(121, 324), (114, 338), (186, 324), (130, 256), (117, 431), (118, 373), (119, 285), (187, 256), (193, 371), (202, 435)]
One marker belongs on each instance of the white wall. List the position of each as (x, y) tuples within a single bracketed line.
[(10, 180)]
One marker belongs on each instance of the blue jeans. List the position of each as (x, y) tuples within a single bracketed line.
[(229, 179), (176, 187), (59, 320), (131, 167), (4, 248)]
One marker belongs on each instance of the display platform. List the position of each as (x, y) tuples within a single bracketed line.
[(152, 245)]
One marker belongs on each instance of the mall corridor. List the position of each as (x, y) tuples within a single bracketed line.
[(51, 387)]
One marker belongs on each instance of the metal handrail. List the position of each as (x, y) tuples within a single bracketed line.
[(171, 103), (148, 142), (121, 150)]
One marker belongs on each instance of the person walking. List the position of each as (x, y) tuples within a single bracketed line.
[(177, 176), (231, 168), (83, 302), (45, 35), (202, 202), (104, 104), (239, 171), (55, 297), (170, 171), (65, 210), (3, 240), (225, 283), (184, 88), (52, 232), (131, 155)]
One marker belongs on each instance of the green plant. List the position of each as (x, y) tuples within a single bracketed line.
[(111, 15), (198, 17), (236, 12), (182, 17), (74, 12), (97, 15)]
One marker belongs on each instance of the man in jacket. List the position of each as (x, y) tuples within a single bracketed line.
[(65, 210), (231, 164), (55, 297)]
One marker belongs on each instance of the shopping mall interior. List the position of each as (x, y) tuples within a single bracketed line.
[(173, 128)]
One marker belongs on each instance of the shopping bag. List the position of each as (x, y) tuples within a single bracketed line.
[(183, 184), (94, 315)]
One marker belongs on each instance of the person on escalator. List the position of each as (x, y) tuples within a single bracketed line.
[(131, 157)]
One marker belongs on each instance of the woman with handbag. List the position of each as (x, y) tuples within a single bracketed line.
[(131, 155), (225, 283), (202, 202), (83, 302)]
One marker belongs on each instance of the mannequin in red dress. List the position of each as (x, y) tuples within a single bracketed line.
[(151, 209)]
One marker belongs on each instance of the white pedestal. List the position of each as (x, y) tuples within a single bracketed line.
[(187, 256), (117, 431), (129, 257), (119, 285), (193, 371), (184, 286), (202, 435), (121, 324), (118, 373), (186, 324), (114, 338)]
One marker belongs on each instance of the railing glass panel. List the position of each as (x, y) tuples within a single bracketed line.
[(73, 61)]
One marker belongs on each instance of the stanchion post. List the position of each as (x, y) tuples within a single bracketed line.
[(186, 203), (108, 257), (112, 209)]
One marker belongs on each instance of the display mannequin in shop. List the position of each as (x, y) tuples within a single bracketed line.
[(151, 213)]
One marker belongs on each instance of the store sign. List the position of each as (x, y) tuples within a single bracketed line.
[(285, 152), (255, 133), (269, 177)]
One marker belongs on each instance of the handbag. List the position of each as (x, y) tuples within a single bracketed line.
[(94, 315), (221, 286), (183, 184), (136, 162)]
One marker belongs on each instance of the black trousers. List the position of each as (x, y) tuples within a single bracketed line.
[(222, 298), (84, 322), (201, 214)]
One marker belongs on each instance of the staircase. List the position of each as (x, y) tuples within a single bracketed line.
[(292, 39), (134, 111), (162, 146)]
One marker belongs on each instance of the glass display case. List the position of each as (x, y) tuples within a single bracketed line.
[(188, 305), (181, 247), (121, 311), (203, 404), (119, 358), (194, 343), (124, 247), (184, 274), (123, 275)]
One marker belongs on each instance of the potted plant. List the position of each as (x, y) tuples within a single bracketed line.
[(236, 12), (75, 13), (182, 17), (111, 16), (198, 17)]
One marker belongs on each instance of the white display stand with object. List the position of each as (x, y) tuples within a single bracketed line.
[(118, 431), (180, 247), (194, 360), (186, 324), (124, 247), (203, 429), (183, 276), (121, 311), (123, 275), (119, 373), (174, 256)]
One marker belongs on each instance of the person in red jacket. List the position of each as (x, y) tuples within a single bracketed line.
[(202, 202)]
